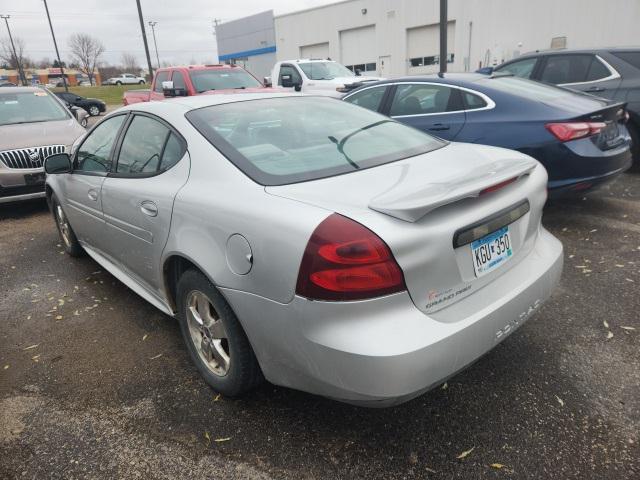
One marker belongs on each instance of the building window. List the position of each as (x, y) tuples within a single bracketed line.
[(431, 60), (363, 67)]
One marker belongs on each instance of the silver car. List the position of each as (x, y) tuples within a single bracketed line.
[(309, 241), (34, 123)]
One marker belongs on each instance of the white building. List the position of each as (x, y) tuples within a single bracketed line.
[(401, 37)]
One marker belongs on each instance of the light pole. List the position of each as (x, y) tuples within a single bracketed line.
[(55, 44), (153, 29), (443, 36), (15, 55), (144, 39)]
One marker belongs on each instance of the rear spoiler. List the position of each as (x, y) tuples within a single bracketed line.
[(413, 198)]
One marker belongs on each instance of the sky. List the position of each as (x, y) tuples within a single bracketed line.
[(184, 31)]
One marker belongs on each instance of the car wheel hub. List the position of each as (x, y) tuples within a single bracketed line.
[(64, 226), (208, 334)]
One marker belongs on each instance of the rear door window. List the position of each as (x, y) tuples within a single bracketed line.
[(632, 58), (473, 101), (290, 70), (424, 98), (178, 80), (369, 98), (563, 69)]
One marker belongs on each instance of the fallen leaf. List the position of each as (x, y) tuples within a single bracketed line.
[(609, 335), (560, 401), (445, 386), (58, 317), (216, 398), (6, 367), (60, 302), (35, 358), (606, 324), (465, 453), (629, 280), (430, 470), (76, 313), (497, 465), (144, 337), (628, 328), (157, 356), (206, 435), (219, 440), (31, 346), (619, 266)]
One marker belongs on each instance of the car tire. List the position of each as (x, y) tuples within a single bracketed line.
[(141, 82), (214, 337), (67, 235), (94, 110), (118, 83), (84, 122), (634, 132)]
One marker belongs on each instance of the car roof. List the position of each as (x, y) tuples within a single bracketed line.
[(186, 104), (459, 79), (566, 51)]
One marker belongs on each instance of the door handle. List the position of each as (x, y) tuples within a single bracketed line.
[(436, 127), (93, 195), (595, 89), (149, 208)]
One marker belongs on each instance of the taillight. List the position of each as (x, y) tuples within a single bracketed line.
[(346, 261), (574, 130), (497, 186)]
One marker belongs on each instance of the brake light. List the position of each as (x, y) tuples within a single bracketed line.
[(574, 130), (497, 186), (344, 260)]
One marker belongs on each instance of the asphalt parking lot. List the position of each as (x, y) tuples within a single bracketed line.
[(96, 383)]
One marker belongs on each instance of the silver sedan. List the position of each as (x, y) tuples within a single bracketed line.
[(309, 241)]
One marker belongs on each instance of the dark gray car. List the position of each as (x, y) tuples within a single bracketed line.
[(608, 72)]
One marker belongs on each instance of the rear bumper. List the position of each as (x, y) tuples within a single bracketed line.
[(385, 351), (577, 166)]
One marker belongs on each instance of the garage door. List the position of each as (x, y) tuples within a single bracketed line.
[(358, 49), (423, 46), (319, 50)]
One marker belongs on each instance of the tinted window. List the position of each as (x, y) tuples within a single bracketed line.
[(632, 58), (561, 69), (472, 101), (528, 89), (178, 80), (521, 68), (423, 98), (160, 77), (289, 70), (327, 70), (276, 141), (94, 155), (369, 98), (222, 79), (142, 146), (597, 71)]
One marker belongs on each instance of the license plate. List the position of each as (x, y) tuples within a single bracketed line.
[(34, 178), (491, 251)]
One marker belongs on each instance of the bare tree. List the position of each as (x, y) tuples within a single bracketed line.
[(7, 56), (44, 63), (130, 63), (86, 51)]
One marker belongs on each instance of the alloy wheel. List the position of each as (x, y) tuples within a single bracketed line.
[(94, 111), (208, 334), (65, 229)]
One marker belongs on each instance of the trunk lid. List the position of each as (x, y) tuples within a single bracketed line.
[(417, 206)]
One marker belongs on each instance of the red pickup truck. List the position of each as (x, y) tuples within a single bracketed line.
[(196, 80)]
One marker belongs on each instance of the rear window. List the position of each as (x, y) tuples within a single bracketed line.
[(526, 88), (632, 58), (277, 141), (30, 107), (222, 79)]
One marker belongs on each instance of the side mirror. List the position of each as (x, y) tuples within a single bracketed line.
[(267, 82), (58, 163), (169, 90), (297, 87)]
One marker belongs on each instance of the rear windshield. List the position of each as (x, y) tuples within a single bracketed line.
[(526, 88), (30, 107), (223, 79), (277, 141)]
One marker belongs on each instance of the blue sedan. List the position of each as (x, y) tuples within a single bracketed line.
[(581, 140)]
